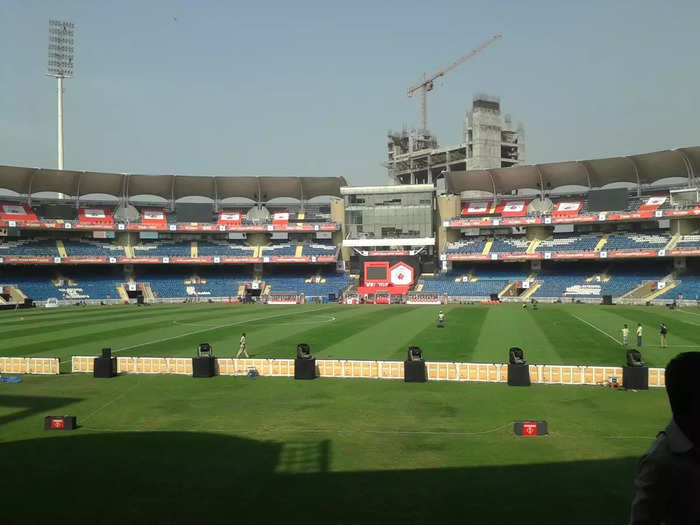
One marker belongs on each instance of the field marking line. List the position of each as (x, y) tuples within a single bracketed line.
[(596, 328), (113, 400), (330, 319), (310, 431), (689, 313), (204, 330)]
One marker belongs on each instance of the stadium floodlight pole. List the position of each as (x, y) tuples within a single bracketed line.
[(60, 66)]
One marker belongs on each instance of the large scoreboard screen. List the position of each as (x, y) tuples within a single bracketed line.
[(376, 273)]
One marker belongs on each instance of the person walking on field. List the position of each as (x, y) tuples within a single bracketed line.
[(639, 335), (242, 348), (625, 335), (662, 332)]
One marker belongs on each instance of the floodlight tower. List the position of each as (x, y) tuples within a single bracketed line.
[(60, 66)]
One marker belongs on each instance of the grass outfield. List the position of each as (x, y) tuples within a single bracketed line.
[(554, 334), (172, 449)]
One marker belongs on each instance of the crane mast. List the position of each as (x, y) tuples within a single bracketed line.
[(426, 84)]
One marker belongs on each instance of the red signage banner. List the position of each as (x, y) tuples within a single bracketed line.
[(630, 216), (684, 251), (519, 256), (632, 253), (84, 260), (290, 259), (520, 221), (188, 260), (28, 260), (382, 253), (575, 218), (240, 260), (467, 257), (575, 255), (140, 260)]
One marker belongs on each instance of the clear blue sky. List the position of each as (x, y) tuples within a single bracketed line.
[(311, 88)]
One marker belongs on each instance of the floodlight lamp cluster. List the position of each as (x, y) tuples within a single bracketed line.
[(61, 48)]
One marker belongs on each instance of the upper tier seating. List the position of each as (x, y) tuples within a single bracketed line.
[(317, 248), (230, 248), (654, 239), (509, 244), (569, 242), (92, 248), (475, 245), (689, 241), (30, 248), (279, 250), (164, 249)]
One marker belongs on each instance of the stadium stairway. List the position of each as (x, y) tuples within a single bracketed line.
[(601, 242), (17, 295), (646, 291), (61, 249), (194, 249), (533, 245), (147, 293), (122, 292), (661, 291), (533, 288), (675, 238), (487, 246)]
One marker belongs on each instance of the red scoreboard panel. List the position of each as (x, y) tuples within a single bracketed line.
[(376, 272)]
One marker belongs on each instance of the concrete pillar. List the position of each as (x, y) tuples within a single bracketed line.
[(338, 216), (684, 226), (448, 207), (539, 232)]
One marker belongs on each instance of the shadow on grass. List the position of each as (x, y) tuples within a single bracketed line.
[(187, 477), (30, 405)]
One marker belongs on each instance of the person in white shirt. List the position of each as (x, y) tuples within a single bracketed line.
[(242, 348), (639, 335), (625, 335), (668, 477)]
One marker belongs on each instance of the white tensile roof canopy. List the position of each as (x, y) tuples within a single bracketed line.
[(637, 169), (28, 181)]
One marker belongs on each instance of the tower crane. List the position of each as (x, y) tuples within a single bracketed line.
[(427, 83)]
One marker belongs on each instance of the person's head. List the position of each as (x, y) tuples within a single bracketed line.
[(639, 324), (683, 389), (625, 326), (243, 334)]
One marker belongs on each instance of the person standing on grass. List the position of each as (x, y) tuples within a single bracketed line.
[(639, 335), (625, 335), (242, 349), (662, 332), (668, 476)]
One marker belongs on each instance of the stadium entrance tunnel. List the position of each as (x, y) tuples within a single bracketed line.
[(188, 477)]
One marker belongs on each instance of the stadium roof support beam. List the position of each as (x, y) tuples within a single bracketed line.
[(539, 174), (493, 182), (688, 166), (586, 170)]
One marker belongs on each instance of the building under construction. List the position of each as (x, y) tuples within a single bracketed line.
[(490, 140)]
